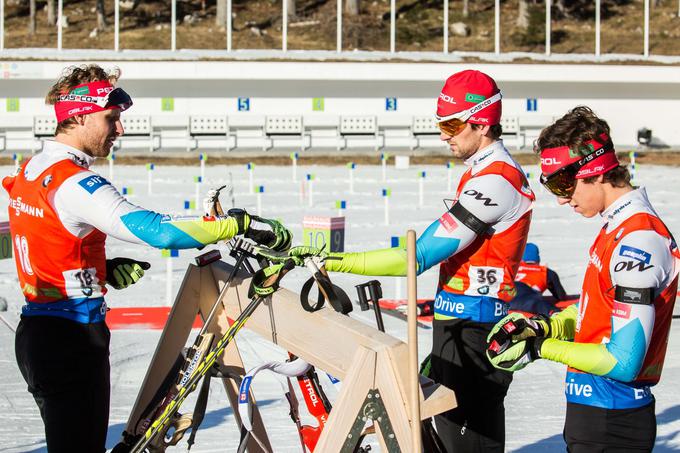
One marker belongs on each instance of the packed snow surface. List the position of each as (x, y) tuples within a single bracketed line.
[(535, 405)]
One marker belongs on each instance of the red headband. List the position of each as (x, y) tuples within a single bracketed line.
[(87, 98), (553, 159)]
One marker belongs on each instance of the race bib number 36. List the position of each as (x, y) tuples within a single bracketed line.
[(485, 281)]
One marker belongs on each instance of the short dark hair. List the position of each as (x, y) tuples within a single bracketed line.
[(574, 130), (495, 131), (71, 78)]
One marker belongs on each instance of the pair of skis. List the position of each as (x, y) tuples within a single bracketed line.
[(155, 426), (197, 365)]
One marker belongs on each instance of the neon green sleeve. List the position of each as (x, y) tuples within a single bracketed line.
[(563, 324), (588, 357), (179, 232), (384, 262)]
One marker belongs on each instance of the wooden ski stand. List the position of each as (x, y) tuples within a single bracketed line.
[(372, 365), (197, 294)]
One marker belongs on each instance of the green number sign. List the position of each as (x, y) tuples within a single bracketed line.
[(5, 246), (168, 104), (327, 233), (12, 104), (317, 104)]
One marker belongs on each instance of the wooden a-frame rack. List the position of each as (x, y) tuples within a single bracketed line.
[(372, 365)]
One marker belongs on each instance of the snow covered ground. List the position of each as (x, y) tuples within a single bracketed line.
[(535, 405)]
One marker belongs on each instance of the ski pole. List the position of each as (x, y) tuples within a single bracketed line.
[(201, 367)]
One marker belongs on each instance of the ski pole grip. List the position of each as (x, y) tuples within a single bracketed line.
[(375, 290), (361, 293)]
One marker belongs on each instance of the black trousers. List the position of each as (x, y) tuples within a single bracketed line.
[(590, 429), (459, 362), (66, 367)]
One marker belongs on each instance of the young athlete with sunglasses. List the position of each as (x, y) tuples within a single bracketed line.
[(479, 243), (614, 341)]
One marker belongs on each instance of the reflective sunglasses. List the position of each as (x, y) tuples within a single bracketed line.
[(563, 181), (452, 127), (115, 98)]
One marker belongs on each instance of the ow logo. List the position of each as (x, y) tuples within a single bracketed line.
[(480, 196), (628, 266), (21, 247)]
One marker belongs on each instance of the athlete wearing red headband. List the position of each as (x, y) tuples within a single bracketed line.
[(60, 213), (477, 244), (614, 341)]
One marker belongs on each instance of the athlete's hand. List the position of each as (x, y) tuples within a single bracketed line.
[(515, 355), (278, 239), (517, 327), (297, 254), (266, 280), (123, 272), (211, 202), (242, 219)]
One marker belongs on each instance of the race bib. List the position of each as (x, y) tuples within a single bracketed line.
[(485, 281)]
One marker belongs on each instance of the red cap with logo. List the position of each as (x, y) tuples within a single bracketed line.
[(470, 96)]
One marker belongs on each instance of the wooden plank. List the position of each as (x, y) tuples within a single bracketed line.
[(394, 400), (438, 398), (347, 407), (435, 398), (325, 338)]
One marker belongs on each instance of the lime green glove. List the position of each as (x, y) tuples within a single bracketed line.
[(266, 280), (279, 238), (123, 272), (242, 219), (517, 327), (515, 341), (516, 355)]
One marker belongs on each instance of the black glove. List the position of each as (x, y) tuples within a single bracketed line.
[(278, 239), (517, 327), (515, 356), (242, 219), (123, 272)]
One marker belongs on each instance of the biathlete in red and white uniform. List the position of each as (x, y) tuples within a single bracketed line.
[(60, 213), (532, 280), (478, 243), (614, 340)]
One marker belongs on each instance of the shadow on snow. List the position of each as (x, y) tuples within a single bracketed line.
[(212, 419)]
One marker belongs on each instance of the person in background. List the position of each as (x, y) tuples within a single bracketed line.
[(532, 280)]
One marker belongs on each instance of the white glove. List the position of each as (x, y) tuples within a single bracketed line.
[(209, 201)]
